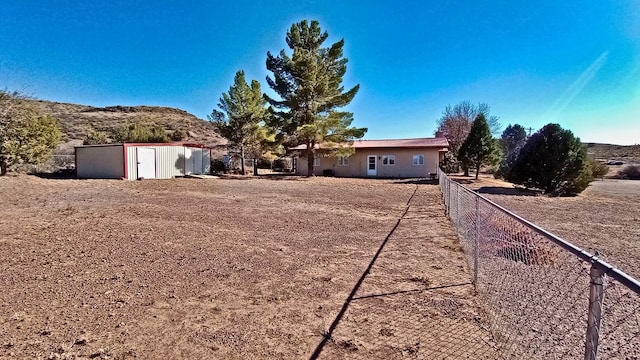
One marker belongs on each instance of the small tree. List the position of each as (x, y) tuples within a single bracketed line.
[(512, 140), (242, 119), (479, 148), (26, 136), (553, 160), (309, 84)]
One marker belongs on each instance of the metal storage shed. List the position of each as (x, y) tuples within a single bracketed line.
[(141, 161)]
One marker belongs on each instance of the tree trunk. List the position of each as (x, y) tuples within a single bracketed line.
[(3, 168), (242, 158), (477, 171), (310, 161)]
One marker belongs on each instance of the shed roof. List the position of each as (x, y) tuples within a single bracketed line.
[(437, 142)]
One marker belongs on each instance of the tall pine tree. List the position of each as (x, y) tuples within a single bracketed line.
[(309, 84), (243, 116)]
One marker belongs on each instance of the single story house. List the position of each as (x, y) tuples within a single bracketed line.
[(398, 158), (141, 160)]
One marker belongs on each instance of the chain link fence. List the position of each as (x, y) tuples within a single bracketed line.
[(544, 297)]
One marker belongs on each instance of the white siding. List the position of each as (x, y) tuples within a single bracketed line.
[(100, 162), (170, 160), (206, 161)]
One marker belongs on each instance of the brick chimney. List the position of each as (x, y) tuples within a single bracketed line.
[(439, 134)]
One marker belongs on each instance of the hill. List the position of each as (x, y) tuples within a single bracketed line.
[(627, 154), (77, 120)]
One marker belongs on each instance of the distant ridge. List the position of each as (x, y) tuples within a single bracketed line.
[(77, 120), (626, 153)]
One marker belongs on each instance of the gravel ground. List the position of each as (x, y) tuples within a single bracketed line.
[(234, 269)]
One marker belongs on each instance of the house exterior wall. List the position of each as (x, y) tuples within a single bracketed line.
[(100, 162), (357, 163)]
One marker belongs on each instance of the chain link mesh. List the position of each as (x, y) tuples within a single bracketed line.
[(535, 293)]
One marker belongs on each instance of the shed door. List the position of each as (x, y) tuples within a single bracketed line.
[(188, 161), (196, 154), (146, 159), (372, 169)]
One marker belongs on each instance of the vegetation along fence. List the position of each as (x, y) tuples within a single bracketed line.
[(544, 297)]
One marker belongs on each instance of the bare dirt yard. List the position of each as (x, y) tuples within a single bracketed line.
[(605, 217), (234, 269)]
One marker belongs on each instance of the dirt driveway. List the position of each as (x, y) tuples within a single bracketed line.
[(185, 268)]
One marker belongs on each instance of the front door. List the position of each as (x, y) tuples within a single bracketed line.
[(372, 169)]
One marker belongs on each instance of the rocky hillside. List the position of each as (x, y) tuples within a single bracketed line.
[(627, 154), (77, 120)]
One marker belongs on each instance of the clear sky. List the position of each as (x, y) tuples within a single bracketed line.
[(573, 62)]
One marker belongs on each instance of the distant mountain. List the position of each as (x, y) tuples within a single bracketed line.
[(76, 121), (627, 154)]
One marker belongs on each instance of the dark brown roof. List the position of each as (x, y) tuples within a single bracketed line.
[(439, 142)]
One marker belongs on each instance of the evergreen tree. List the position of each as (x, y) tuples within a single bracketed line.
[(309, 84), (553, 160), (26, 136), (512, 140), (242, 118), (479, 148)]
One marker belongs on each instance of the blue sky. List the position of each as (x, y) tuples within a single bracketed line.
[(576, 63)]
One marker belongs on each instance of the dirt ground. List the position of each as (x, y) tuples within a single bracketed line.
[(233, 269), (605, 217)]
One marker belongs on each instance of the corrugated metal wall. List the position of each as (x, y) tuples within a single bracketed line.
[(169, 161)]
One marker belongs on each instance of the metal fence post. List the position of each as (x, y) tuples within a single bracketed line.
[(596, 297), (476, 250)]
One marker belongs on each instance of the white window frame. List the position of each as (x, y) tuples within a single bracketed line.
[(316, 160), (343, 161), (388, 160), (418, 160)]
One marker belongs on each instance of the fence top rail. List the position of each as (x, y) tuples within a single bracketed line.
[(610, 270)]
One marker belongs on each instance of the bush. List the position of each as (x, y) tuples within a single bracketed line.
[(450, 164), (630, 172), (599, 169), (218, 166), (95, 138), (553, 160), (178, 135)]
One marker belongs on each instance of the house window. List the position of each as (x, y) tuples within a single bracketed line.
[(343, 161), (388, 159), (316, 160), (418, 159)]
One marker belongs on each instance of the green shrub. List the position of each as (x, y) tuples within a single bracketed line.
[(553, 160)]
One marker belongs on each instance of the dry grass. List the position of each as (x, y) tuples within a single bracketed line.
[(605, 217), (233, 269)]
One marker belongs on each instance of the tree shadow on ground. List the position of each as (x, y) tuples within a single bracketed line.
[(57, 175), (417, 181), (500, 190)]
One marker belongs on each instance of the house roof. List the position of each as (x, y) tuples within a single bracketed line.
[(438, 142)]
